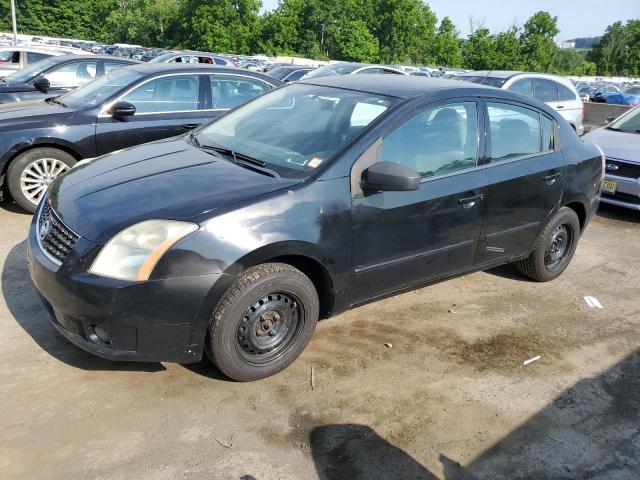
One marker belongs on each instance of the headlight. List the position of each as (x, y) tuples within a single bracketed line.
[(134, 252)]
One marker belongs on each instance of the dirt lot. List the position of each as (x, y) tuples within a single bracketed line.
[(451, 399)]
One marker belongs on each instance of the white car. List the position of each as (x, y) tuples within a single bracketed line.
[(15, 57), (345, 68), (557, 92)]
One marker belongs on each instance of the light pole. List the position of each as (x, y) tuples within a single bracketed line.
[(15, 25)]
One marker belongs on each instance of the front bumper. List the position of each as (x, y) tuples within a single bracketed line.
[(161, 320), (627, 192)]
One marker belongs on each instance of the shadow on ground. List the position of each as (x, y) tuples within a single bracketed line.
[(613, 212), (23, 304), (591, 431)]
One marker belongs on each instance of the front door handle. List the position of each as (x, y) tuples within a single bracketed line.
[(558, 107), (470, 202), (189, 126), (551, 179)]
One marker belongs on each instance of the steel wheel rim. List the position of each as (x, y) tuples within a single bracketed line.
[(269, 327), (558, 245), (38, 176)]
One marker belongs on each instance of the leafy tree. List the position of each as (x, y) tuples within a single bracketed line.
[(618, 52), (536, 39), (572, 62), (478, 52), (508, 54), (446, 49), (357, 43)]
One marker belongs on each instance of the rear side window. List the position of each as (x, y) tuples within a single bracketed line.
[(73, 74), (229, 91), (545, 90), (522, 86), (33, 57), (297, 75), (547, 134), (436, 141), (515, 131), (565, 93), (176, 93)]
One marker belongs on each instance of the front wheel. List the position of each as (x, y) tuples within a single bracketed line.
[(263, 322), (31, 173), (554, 247)]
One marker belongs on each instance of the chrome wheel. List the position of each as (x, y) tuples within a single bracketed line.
[(38, 176), (269, 327), (559, 244)]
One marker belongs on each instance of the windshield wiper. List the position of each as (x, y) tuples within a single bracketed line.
[(238, 158), (54, 100)]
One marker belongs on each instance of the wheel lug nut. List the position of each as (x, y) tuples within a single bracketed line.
[(272, 333), (259, 333)]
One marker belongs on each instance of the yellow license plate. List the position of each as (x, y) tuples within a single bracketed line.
[(609, 186)]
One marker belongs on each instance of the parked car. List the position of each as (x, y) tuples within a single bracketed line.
[(557, 92), (344, 68), (15, 57), (56, 75), (289, 73), (44, 138), (620, 141), (601, 91), (192, 57), (314, 198), (630, 96)]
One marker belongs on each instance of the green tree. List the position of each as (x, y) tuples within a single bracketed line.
[(478, 51), (536, 39), (618, 52), (357, 43), (446, 48), (569, 61)]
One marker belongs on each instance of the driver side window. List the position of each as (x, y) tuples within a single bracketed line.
[(436, 141)]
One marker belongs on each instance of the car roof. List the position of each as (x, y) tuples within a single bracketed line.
[(153, 68), (491, 73), (293, 67), (401, 86), (63, 58)]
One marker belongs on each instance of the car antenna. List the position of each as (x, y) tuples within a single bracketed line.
[(485, 77)]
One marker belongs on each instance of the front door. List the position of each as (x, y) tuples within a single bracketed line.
[(166, 106), (525, 180), (401, 239)]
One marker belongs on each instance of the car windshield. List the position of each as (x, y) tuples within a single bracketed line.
[(335, 69), (296, 129), (100, 89), (629, 123), (30, 71), (484, 80)]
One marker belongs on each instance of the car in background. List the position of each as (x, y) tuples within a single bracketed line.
[(620, 142), (136, 104), (318, 197), (345, 68), (15, 57), (600, 92), (289, 73), (557, 92), (192, 57), (629, 96), (420, 73), (56, 75)]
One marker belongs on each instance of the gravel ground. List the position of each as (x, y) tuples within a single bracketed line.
[(451, 399)]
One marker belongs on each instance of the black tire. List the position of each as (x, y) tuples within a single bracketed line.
[(22, 162), (542, 265), (272, 302)]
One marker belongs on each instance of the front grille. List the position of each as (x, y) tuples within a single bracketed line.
[(628, 170), (55, 238)]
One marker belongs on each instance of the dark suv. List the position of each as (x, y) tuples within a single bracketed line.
[(314, 198)]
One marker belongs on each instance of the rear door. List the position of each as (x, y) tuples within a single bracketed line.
[(227, 91), (525, 176), (166, 106)]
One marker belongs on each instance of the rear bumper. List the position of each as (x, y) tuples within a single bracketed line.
[(157, 321), (627, 193)]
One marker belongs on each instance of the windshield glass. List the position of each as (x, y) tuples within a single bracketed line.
[(484, 80), (30, 71), (163, 58), (627, 123), (295, 129), (335, 69), (100, 89)]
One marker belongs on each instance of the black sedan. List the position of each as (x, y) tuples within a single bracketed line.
[(54, 76), (289, 73), (312, 199), (44, 138)]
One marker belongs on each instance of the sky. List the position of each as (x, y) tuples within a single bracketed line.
[(576, 18)]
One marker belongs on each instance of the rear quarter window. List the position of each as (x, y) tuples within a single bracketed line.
[(565, 93)]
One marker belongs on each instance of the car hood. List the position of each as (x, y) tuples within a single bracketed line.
[(620, 145), (168, 179), (19, 113)]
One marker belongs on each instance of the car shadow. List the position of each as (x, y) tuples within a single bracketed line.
[(613, 212), (23, 304), (509, 272), (11, 206)]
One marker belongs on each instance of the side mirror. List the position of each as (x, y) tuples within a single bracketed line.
[(42, 84), (611, 119), (389, 177), (122, 109)]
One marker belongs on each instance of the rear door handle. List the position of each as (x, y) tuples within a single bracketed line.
[(470, 202), (189, 126), (558, 107), (551, 179)]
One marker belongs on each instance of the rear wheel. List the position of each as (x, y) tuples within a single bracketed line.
[(263, 322), (554, 247), (31, 173)]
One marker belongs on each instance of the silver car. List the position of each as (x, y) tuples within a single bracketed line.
[(557, 92), (620, 142)]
